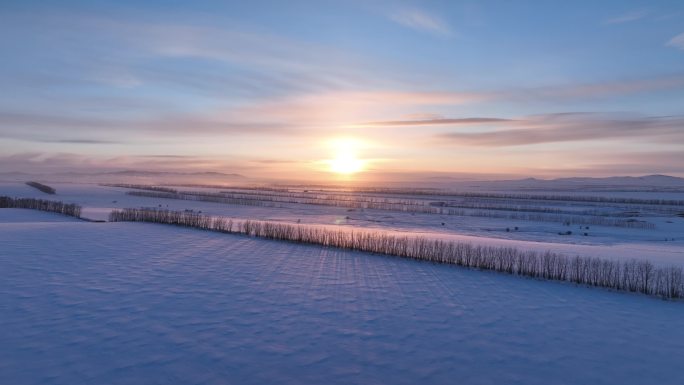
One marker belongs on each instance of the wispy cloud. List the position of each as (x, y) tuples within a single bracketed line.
[(350, 107), (677, 41), (245, 61), (52, 128), (436, 122), (570, 127), (422, 21), (70, 162), (83, 141), (333, 109), (595, 90), (275, 161), (289, 115), (628, 17), (240, 46), (45, 162)]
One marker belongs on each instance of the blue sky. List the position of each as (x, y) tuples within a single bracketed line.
[(498, 88)]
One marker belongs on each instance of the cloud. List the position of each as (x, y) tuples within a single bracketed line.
[(83, 141), (287, 115), (237, 60), (436, 122), (44, 162), (562, 92), (276, 161), (595, 90), (422, 21), (554, 128), (333, 109), (167, 156), (417, 96), (628, 17), (646, 158), (677, 41), (28, 120), (257, 58), (284, 116), (81, 129), (68, 162)]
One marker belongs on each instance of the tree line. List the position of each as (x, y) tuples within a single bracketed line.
[(140, 187), (633, 275), (203, 197), (548, 197), (271, 201), (42, 187), (397, 204), (69, 209)]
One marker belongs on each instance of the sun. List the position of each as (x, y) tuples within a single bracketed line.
[(345, 160), (346, 164)]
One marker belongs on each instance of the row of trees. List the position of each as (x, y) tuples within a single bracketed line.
[(486, 203), (547, 197), (591, 208), (140, 187), (396, 204), (351, 199), (273, 201), (241, 187), (422, 192), (633, 275), (328, 197), (42, 187), (380, 203), (484, 200), (531, 208), (42, 205), (567, 219), (204, 197)]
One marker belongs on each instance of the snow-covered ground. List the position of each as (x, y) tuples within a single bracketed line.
[(663, 245), (130, 303)]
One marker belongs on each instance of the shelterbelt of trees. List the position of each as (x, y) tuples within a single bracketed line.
[(69, 209), (42, 187), (633, 275)]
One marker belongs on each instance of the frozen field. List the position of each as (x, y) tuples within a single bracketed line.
[(126, 303), (663, 244)]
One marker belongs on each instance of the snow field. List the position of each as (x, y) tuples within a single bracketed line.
[(130, 303)]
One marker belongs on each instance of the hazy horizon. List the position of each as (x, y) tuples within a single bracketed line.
[(329, 91)]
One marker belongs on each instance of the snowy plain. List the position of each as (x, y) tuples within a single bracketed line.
[(130, 303), (663, 245)]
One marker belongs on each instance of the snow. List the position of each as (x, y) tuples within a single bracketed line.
[(15, 217), (130, 303), (663, 245)]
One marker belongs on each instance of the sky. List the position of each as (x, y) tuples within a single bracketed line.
[(371, 89)]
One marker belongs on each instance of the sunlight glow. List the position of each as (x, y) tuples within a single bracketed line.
[(346, 159)]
